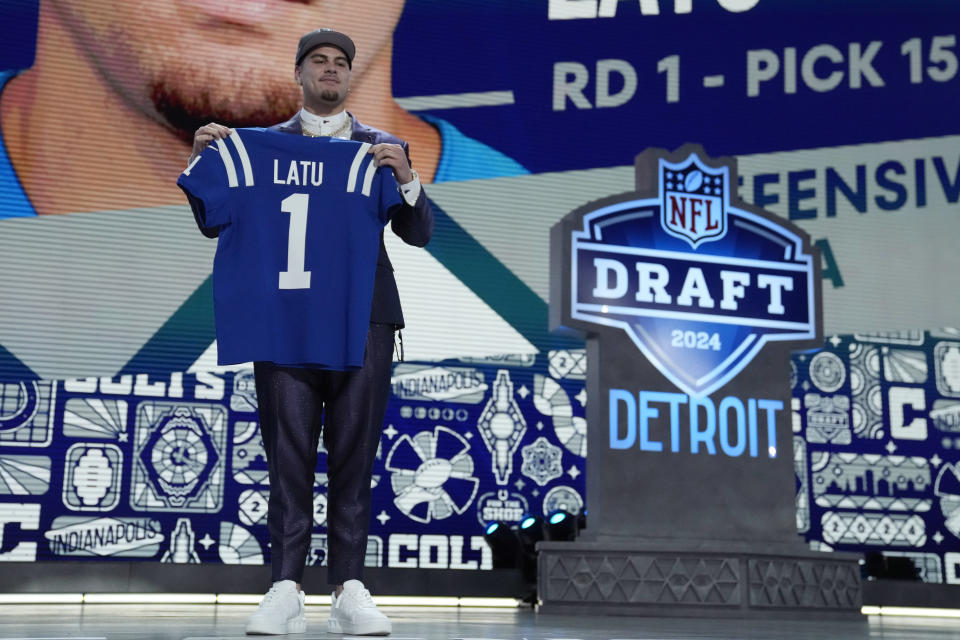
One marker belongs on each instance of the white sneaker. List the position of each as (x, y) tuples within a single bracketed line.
[(281, 611), (354, 613)]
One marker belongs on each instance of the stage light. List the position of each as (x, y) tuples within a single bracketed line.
[(243, 598), (41, 598), (561, 526), (912, 612), (149, 598), (136, 599), (531, 532), (504, 544)]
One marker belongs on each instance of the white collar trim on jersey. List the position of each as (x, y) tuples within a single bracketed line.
[(322, 125)]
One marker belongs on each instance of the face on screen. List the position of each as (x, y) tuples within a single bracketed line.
[(190, 62)]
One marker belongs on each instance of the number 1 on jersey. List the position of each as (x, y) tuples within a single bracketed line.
[(295, 277)]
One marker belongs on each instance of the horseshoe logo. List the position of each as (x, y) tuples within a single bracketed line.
[(27, 409)]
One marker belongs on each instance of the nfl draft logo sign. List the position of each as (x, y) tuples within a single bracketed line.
[(691, 302), (697, 280)]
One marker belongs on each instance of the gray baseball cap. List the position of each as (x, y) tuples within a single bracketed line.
[(321, 37)]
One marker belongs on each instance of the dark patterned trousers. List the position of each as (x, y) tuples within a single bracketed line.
[(296, 405)]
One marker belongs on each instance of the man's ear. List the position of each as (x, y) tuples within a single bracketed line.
[(296, 75)]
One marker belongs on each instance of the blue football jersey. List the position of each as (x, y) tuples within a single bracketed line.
[(299, 222)]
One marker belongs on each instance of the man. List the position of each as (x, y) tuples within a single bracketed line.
[(292, 399)]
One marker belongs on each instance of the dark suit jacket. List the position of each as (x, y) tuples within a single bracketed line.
[(413, 224)]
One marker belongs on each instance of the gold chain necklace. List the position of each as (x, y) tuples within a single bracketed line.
[(342, 131)]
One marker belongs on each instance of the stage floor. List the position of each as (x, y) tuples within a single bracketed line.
[(176, 622)]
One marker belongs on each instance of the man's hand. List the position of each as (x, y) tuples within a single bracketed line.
[(207, 134), (393, 156)]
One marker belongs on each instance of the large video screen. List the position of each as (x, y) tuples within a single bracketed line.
[(843, 119)]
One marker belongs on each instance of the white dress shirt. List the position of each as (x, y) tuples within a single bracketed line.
[(340, 125)]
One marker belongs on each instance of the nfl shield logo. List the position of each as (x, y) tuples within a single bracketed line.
[(695, 199)]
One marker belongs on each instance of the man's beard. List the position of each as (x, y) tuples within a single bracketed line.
[(329, 95), (261, 102)]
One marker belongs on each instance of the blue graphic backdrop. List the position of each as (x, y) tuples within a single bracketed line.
[(877, 447), (172, 469)]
